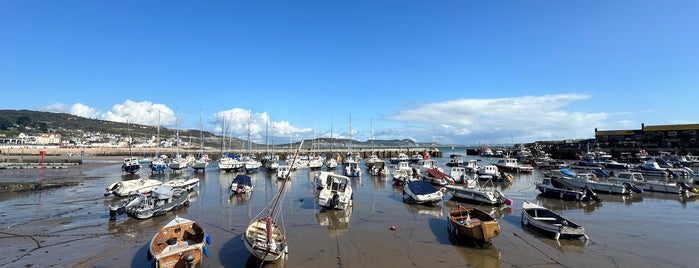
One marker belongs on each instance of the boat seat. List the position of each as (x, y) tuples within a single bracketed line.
[(544, 219)]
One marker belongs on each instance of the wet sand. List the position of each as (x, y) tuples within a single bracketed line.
[(70, 226)]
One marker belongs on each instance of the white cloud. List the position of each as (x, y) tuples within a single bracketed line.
[(239, 122), (144, 112), (502, 120), (83, 110), (56, 108)]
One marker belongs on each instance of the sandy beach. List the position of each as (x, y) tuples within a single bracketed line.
[(70, 226)]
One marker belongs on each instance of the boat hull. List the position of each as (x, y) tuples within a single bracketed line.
[(473, 224), (550, 222), (180, 243), (256, 241)]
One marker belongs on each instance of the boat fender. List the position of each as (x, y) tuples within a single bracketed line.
[(509, 202), (206, 251), (208, 239)]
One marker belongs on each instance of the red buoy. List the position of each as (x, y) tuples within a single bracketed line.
[(393, 227)]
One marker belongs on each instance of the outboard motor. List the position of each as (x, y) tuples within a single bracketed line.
[(686, 190), (632, 187), (335, 200), (588, 195)]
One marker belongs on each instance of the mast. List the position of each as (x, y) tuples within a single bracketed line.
[(157, 151)]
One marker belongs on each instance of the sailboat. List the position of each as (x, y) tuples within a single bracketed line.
[(158, 164), (228, 161), (351, 165), (330, 162), (249, 161), (264, 238), (131, 164), (178, 162), (271, 160), (203, 161)]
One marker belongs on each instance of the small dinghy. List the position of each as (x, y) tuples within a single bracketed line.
[(180, 243), (550, 222)]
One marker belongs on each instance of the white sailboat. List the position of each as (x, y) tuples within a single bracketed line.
[(203, 161), (330, 162), (178, 162), (158, 164), (351, 165)]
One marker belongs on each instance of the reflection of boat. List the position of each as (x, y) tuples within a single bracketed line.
[(472, 224), (337, 221), (421, 192), (265, 238), (549, 221), (156, 203), (336, 192), (180, 243), (241, 184), (124, 188), (434, 211)]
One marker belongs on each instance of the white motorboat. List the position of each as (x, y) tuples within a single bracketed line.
[(589, 180), (186, 183), (336, 192), (479, 195), (421, 192), (125, 188), (282, 172)]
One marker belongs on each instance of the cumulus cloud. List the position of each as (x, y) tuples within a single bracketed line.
[(145, 112), (56, 108), (83, 110), (239, 123), (501, 120)]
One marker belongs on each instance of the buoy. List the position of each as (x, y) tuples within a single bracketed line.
[(393, 227)]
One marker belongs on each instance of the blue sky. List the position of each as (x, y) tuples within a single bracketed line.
[(452, 72)]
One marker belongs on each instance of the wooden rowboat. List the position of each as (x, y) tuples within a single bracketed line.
[(550, 222), (180, 243), (473, 224)]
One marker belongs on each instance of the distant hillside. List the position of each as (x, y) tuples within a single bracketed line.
[(13, 122)]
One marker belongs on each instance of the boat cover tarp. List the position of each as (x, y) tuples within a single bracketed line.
[(163, 191), (421, 187), (433, 172), (568, 172), (242, 179)]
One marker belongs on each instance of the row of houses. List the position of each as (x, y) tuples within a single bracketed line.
[(84, 140)]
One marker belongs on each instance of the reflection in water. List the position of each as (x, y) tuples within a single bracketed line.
[(475, 256), (560, 204), (337, 220), (435, 210)]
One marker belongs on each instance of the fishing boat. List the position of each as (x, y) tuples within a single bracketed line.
[(509, 164), (131, 165), (550, 222), (264, 238), (336, 192), (125, 188), (421, 192), (401, 176), (241, 184), (472, 224), (156, 203), (180, 243)]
